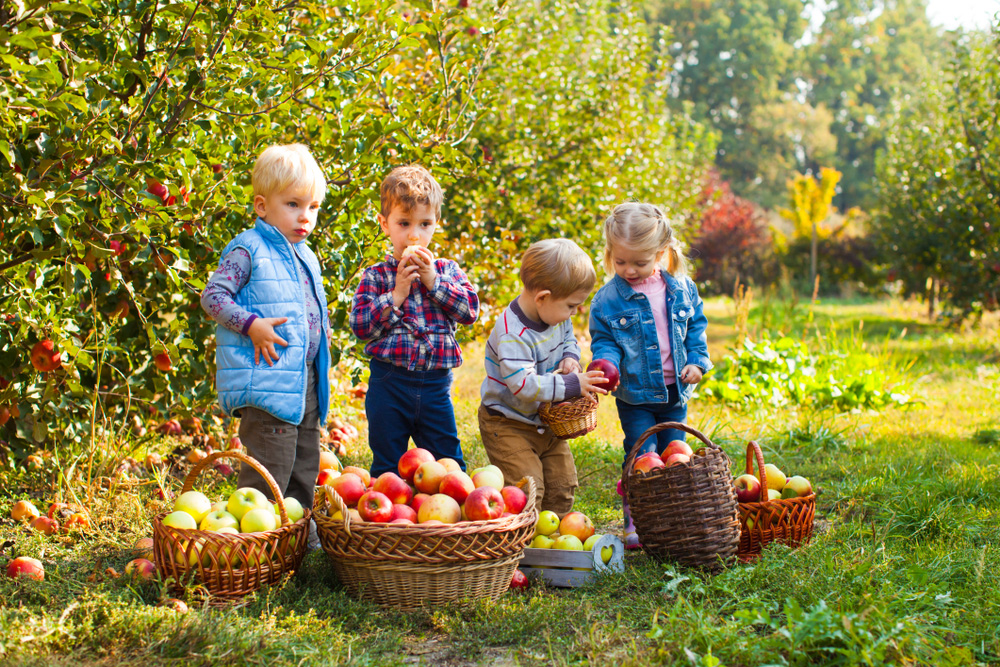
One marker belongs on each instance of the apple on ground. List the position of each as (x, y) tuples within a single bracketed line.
[(458, 485), (376, 507), (411, 460), (141, 568), (394, 487), (796, 487), (439, 507), (349, 487), (676, 447), (258, 520), (541, 542), (23, 510), (428, 477), (676, 459), (514, 499), (176, 605), (775, 478), (747, 488), (144, 546), (548, 523), (45, 525), (609, 370), (326, 476), (365, 476), (403, 512), (25, 566), (194, 503), (578, 525), (484, 503), (646, 462), (245, 499), (519, 581), (568, 543), (488, 476)]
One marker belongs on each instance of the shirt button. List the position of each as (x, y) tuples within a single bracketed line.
[(681, 313), (622, 321)]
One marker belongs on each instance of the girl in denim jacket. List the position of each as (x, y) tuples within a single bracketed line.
[(648, 322)]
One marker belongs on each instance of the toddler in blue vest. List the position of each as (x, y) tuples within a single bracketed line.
[(272, 352)]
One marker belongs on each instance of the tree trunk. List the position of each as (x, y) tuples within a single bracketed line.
[(812, 257)]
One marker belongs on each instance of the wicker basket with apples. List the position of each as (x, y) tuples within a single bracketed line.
[(233, 547), (773, 507), (453, 539)]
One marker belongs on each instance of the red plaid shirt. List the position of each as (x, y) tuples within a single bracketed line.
[(420, 335)]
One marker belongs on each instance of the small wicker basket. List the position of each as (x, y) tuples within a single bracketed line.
[(228, 566), (785, 520), (412, 566), (686, 512), (570, 419)]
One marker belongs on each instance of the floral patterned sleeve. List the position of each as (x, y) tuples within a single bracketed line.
[(217, 299)]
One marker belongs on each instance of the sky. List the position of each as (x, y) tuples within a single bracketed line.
[(962, 13)]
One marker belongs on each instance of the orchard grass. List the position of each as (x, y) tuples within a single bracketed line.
[(904, 568)]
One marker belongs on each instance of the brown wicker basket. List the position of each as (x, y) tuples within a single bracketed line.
[(785, 520), (570, 419), (228, 566), (686, 512), (411, 566)]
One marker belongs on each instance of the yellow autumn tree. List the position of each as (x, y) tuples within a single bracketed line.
[(811, 199)]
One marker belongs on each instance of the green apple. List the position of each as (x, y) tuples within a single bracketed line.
[(591, 541), (548, 523), (216, 520), (228, 551), (606, 554), (258, 520), (796, 487), (220, 506), (194, 503), (293, 508), (773, 494), (246, 499), (180, 519), (568, 543), (190, 552), (541, 542), (775, 478)]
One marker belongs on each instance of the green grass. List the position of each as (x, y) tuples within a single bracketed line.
[(904, 569)]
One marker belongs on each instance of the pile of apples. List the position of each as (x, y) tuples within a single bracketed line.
[(247, 510), (73, 518), (778, 486), (426, 491), (677, 452), (574, 532)]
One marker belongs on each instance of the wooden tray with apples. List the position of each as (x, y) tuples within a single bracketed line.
[(570, 569), (772, 508)]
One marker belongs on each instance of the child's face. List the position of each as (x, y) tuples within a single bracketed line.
[(633, 265), (552, 311), (406, 228), (292, 212)]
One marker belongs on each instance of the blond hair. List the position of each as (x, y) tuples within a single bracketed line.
[(557, 265), (281, 167), (408, 187), (644, 228)]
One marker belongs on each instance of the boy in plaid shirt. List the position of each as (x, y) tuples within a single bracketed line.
[(408, 308)]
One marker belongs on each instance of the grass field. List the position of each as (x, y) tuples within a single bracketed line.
[(904, 570)]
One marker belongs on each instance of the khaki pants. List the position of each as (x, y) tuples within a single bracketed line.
[(519, 450)]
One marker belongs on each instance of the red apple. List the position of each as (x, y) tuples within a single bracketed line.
[(349, 486), (365, 476), (747, 489), (374, 506), (675, 459), (608, 369), (418, 500), (162, 361), (428, 477), (676, 447), (25, 566), (439, 507), (141, 568), (514, 499), (45, 356), (403, 522), (393, 486), (578, 525), (403, 512), (484, 503), (648, 461), (326, 476), (458, 485), (44, 524), (519, 581), (22, 510), (411, 460), (451, 465)]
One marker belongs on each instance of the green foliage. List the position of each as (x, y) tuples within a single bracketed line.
[(784, 372)]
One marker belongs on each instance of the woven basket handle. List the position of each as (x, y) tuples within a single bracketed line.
[(753, 451), (653, 430), (528, 482), (243, 458)]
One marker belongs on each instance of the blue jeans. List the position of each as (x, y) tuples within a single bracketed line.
[(636, 419), (401, 403)]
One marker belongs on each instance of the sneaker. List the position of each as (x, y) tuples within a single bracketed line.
[(631, 537), (312, 542), (621, 491)]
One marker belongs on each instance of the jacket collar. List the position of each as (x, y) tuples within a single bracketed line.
[(525, 320), (270, 233), (627, 292)]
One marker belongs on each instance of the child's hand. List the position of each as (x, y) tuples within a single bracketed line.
[(691, 374), (406, 273), (423, 259), (264, 337), (569, 365), (590, 383)]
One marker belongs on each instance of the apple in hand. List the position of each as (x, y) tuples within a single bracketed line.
[(775, 478), (578, 525), (25, 566), (488, 476), (796, 487), (428, 477), (609, 370), (514, 499), (245, 499), (484, 503), (194, 503), (747, 489), (374, 506), (258, 520), (458, 485), (439, 507), (394, 488), (411, 460), (648, 461)]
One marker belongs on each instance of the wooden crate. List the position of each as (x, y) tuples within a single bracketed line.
[(569, 569)]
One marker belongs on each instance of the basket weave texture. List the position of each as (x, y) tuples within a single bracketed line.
[(688, 511), (411, 566), (786, 520), (229, 566), (570, 419)]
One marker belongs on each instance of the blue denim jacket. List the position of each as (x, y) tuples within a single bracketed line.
[(623, 332)]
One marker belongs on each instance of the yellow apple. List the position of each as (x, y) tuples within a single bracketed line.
[(548, 523), (258, 520), (194, 503), (541, 542)]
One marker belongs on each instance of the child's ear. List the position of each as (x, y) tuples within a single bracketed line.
[(542, 295), (383, 222), (260, 205)]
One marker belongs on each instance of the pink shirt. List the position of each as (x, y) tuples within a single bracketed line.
[(655, 289)]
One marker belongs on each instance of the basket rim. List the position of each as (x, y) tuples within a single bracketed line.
[(189, 533), (279, 498)]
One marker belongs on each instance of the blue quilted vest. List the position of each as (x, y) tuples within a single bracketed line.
[(274, 290)]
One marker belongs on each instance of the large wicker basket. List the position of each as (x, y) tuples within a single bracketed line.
[(785, 520), (228, 566), (570, 419), (686, 512), (411, 566)]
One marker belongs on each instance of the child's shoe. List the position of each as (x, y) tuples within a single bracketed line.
[(312, 542), (631, 537)]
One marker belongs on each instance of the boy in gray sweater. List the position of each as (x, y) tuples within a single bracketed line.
[(532, 357)]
